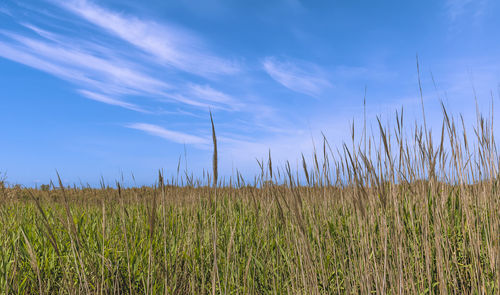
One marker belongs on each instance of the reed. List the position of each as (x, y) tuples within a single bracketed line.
[(395, 212)]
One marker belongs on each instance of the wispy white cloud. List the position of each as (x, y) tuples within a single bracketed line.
[(213, 97), (111, 101), (17, 54), (180, 97), (208, 93), (170, 135), (178, 48), (304, 78), (41, 32), (72, 56), (101, 78)]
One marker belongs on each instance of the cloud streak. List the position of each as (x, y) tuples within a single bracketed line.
[(176, 47), (72, 56), (101, 77), (111, 101), (302, 78), (174, 136)]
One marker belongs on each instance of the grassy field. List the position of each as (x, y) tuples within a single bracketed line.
[(397, 211)]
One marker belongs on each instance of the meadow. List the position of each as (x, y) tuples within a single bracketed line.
[(399, 210)]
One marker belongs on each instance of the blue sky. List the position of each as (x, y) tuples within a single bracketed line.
[(111, 88)]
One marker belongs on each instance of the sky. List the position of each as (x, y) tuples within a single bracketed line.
[(119, 89)]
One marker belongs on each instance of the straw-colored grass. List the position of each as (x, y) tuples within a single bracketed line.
[(400, 211)]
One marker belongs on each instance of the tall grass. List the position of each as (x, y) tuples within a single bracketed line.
[(399, 211)]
